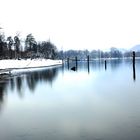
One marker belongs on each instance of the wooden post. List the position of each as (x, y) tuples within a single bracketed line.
[(88, 63), (76, 62), (105, 65), (68, 62), (134, 71), (134, 58)]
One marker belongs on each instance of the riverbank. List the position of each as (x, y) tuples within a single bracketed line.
[(6, 65)]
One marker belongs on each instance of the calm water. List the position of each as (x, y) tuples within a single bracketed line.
[(60, 104)]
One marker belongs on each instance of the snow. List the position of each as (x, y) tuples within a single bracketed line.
[(7, 65)]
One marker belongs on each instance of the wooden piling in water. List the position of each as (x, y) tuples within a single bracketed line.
[(105, 65), (134, 55), (68, 63), (76, 62), (134, 71), (88, 59), (88, 62)]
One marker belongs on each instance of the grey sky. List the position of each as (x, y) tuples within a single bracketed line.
[(74, 24)]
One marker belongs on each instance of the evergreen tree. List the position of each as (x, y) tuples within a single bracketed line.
[(10, 43)]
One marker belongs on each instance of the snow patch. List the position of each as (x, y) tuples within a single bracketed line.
[(7, 65)]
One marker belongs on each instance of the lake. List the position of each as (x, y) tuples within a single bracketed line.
[(56, 103)]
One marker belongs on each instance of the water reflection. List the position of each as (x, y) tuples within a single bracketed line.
[(30, 80), (1, 99), (26, 80), (88, 65), (105, 65), (12, 84), (19, 83), (33, 78), (2, 90), (87, 104), (115, 64), (134, 73)]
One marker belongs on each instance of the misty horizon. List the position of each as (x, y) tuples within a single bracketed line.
[(74, 24)]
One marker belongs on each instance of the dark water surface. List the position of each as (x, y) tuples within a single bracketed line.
[(60, 104)]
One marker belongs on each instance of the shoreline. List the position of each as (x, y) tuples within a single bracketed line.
[(7, 66)]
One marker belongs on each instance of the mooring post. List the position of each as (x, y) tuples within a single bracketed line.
[(134, 71), (88, 62), (134, 55), (105, 64), (68, 62), (76, 62)]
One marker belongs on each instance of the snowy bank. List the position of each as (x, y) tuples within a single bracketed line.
[(24, 64)]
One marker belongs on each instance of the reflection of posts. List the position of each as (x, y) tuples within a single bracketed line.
[(134, 71), (88, 63)]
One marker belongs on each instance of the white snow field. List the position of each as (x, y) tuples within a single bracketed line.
[(6, 65)]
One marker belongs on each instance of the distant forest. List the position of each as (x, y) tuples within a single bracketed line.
[(95, 54), (15, 48)]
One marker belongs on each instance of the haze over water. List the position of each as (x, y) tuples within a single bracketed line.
[(74, 24), (60, 104)]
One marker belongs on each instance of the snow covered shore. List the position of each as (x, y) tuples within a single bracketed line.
[(23, 64)]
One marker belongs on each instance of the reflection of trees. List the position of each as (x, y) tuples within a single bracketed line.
[(31, 78), (2, 89), (19, 85), (97, 64), (12, 83), (46, 75), (115, 63)]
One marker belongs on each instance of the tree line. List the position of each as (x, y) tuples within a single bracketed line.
[(96, 54), (15, 48)]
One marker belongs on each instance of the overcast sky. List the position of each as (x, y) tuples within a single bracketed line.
[(74, 24)]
